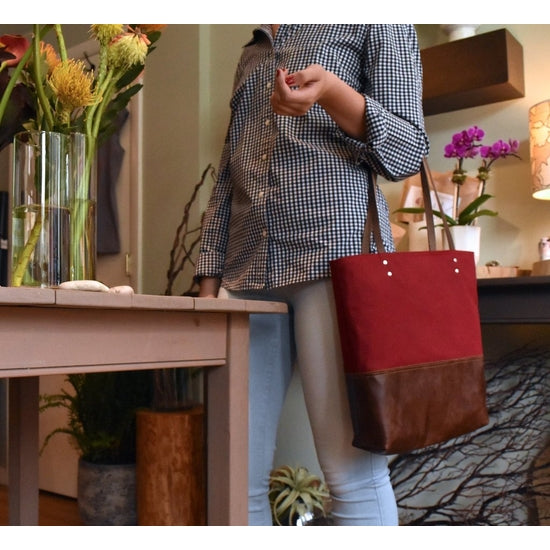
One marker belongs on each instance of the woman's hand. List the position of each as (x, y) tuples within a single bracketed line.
[(209, 287), (294, 94)]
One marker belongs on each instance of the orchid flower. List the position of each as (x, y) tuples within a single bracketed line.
[(467, 144)]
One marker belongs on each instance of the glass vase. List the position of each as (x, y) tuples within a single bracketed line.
[(54, 209), (83, 185), (40, 237)]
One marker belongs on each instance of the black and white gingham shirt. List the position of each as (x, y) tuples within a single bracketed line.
[(291, 193)]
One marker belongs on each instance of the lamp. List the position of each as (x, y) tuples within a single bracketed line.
[(539, 142)]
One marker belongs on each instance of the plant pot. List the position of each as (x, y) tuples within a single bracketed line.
[(467, 237), (170, 456), (107, 493)]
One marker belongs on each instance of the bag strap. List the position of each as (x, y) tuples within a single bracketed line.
[(372, 223)]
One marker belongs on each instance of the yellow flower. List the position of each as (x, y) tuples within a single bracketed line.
[(128, 49), (73, 86), (105, 33)]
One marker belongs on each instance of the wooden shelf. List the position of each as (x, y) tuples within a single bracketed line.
[(479, 70)]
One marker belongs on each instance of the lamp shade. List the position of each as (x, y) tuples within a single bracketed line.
[(539, 148)]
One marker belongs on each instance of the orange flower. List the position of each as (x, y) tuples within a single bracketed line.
[(50, 55), (150, 28)]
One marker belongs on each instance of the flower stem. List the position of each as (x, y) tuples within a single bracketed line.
[(110, 84), (455, 201), (61, 42), (42, 99), (25, 255), (79, 214)]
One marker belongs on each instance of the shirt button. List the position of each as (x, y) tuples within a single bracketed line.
[(264, 156), (267, 122), (261, 194), (268, 85), (264, 233)]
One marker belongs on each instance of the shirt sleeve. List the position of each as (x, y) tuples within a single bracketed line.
[(395, 138), (215, 224)]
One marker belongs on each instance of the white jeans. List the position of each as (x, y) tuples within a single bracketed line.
[(358, 481)]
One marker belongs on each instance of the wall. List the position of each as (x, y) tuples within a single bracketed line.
[(512, 237), (186, 93)]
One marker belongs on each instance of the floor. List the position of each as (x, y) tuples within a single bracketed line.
[(54, 510)]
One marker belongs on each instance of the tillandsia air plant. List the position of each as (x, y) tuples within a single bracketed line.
[(467, 144), (42, 89), (296, 495)]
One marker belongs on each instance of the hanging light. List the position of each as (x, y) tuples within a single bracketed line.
[(539, 148)]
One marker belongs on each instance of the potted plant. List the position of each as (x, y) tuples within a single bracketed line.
[(101, 425), (297, 497), (462, 219)]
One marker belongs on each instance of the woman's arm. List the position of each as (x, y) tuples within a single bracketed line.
[(385, 129)]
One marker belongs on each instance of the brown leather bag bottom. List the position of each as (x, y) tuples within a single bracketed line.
[(399, 410)]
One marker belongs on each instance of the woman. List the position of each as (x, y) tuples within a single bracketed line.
[(314, 108)]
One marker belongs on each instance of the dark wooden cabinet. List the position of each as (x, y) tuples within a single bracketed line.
[(473, 71)]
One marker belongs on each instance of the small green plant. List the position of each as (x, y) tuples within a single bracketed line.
[(101, 414), (294, 493)]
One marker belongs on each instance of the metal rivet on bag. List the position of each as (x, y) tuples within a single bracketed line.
[(455, 260), (385, 262), (390, 273), (457, 270)]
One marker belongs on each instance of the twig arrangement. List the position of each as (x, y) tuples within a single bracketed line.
[(186, 240), (486, 477)]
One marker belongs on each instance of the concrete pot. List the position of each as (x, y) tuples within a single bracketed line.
[(107, 493)]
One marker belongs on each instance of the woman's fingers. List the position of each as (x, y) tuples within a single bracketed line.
[(295, 93)]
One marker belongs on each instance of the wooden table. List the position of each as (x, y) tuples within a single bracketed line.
[(46, 331)]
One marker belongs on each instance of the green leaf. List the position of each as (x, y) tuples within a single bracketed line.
[(465, 217), (410, 210), (475, 204)]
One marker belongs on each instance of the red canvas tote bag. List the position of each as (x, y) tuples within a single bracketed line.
[(411, 340)]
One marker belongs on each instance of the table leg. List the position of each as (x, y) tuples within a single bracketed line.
[(227, 430), (23, 451)]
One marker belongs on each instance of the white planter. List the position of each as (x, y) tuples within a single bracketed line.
[(457, 32), (467, 237)]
